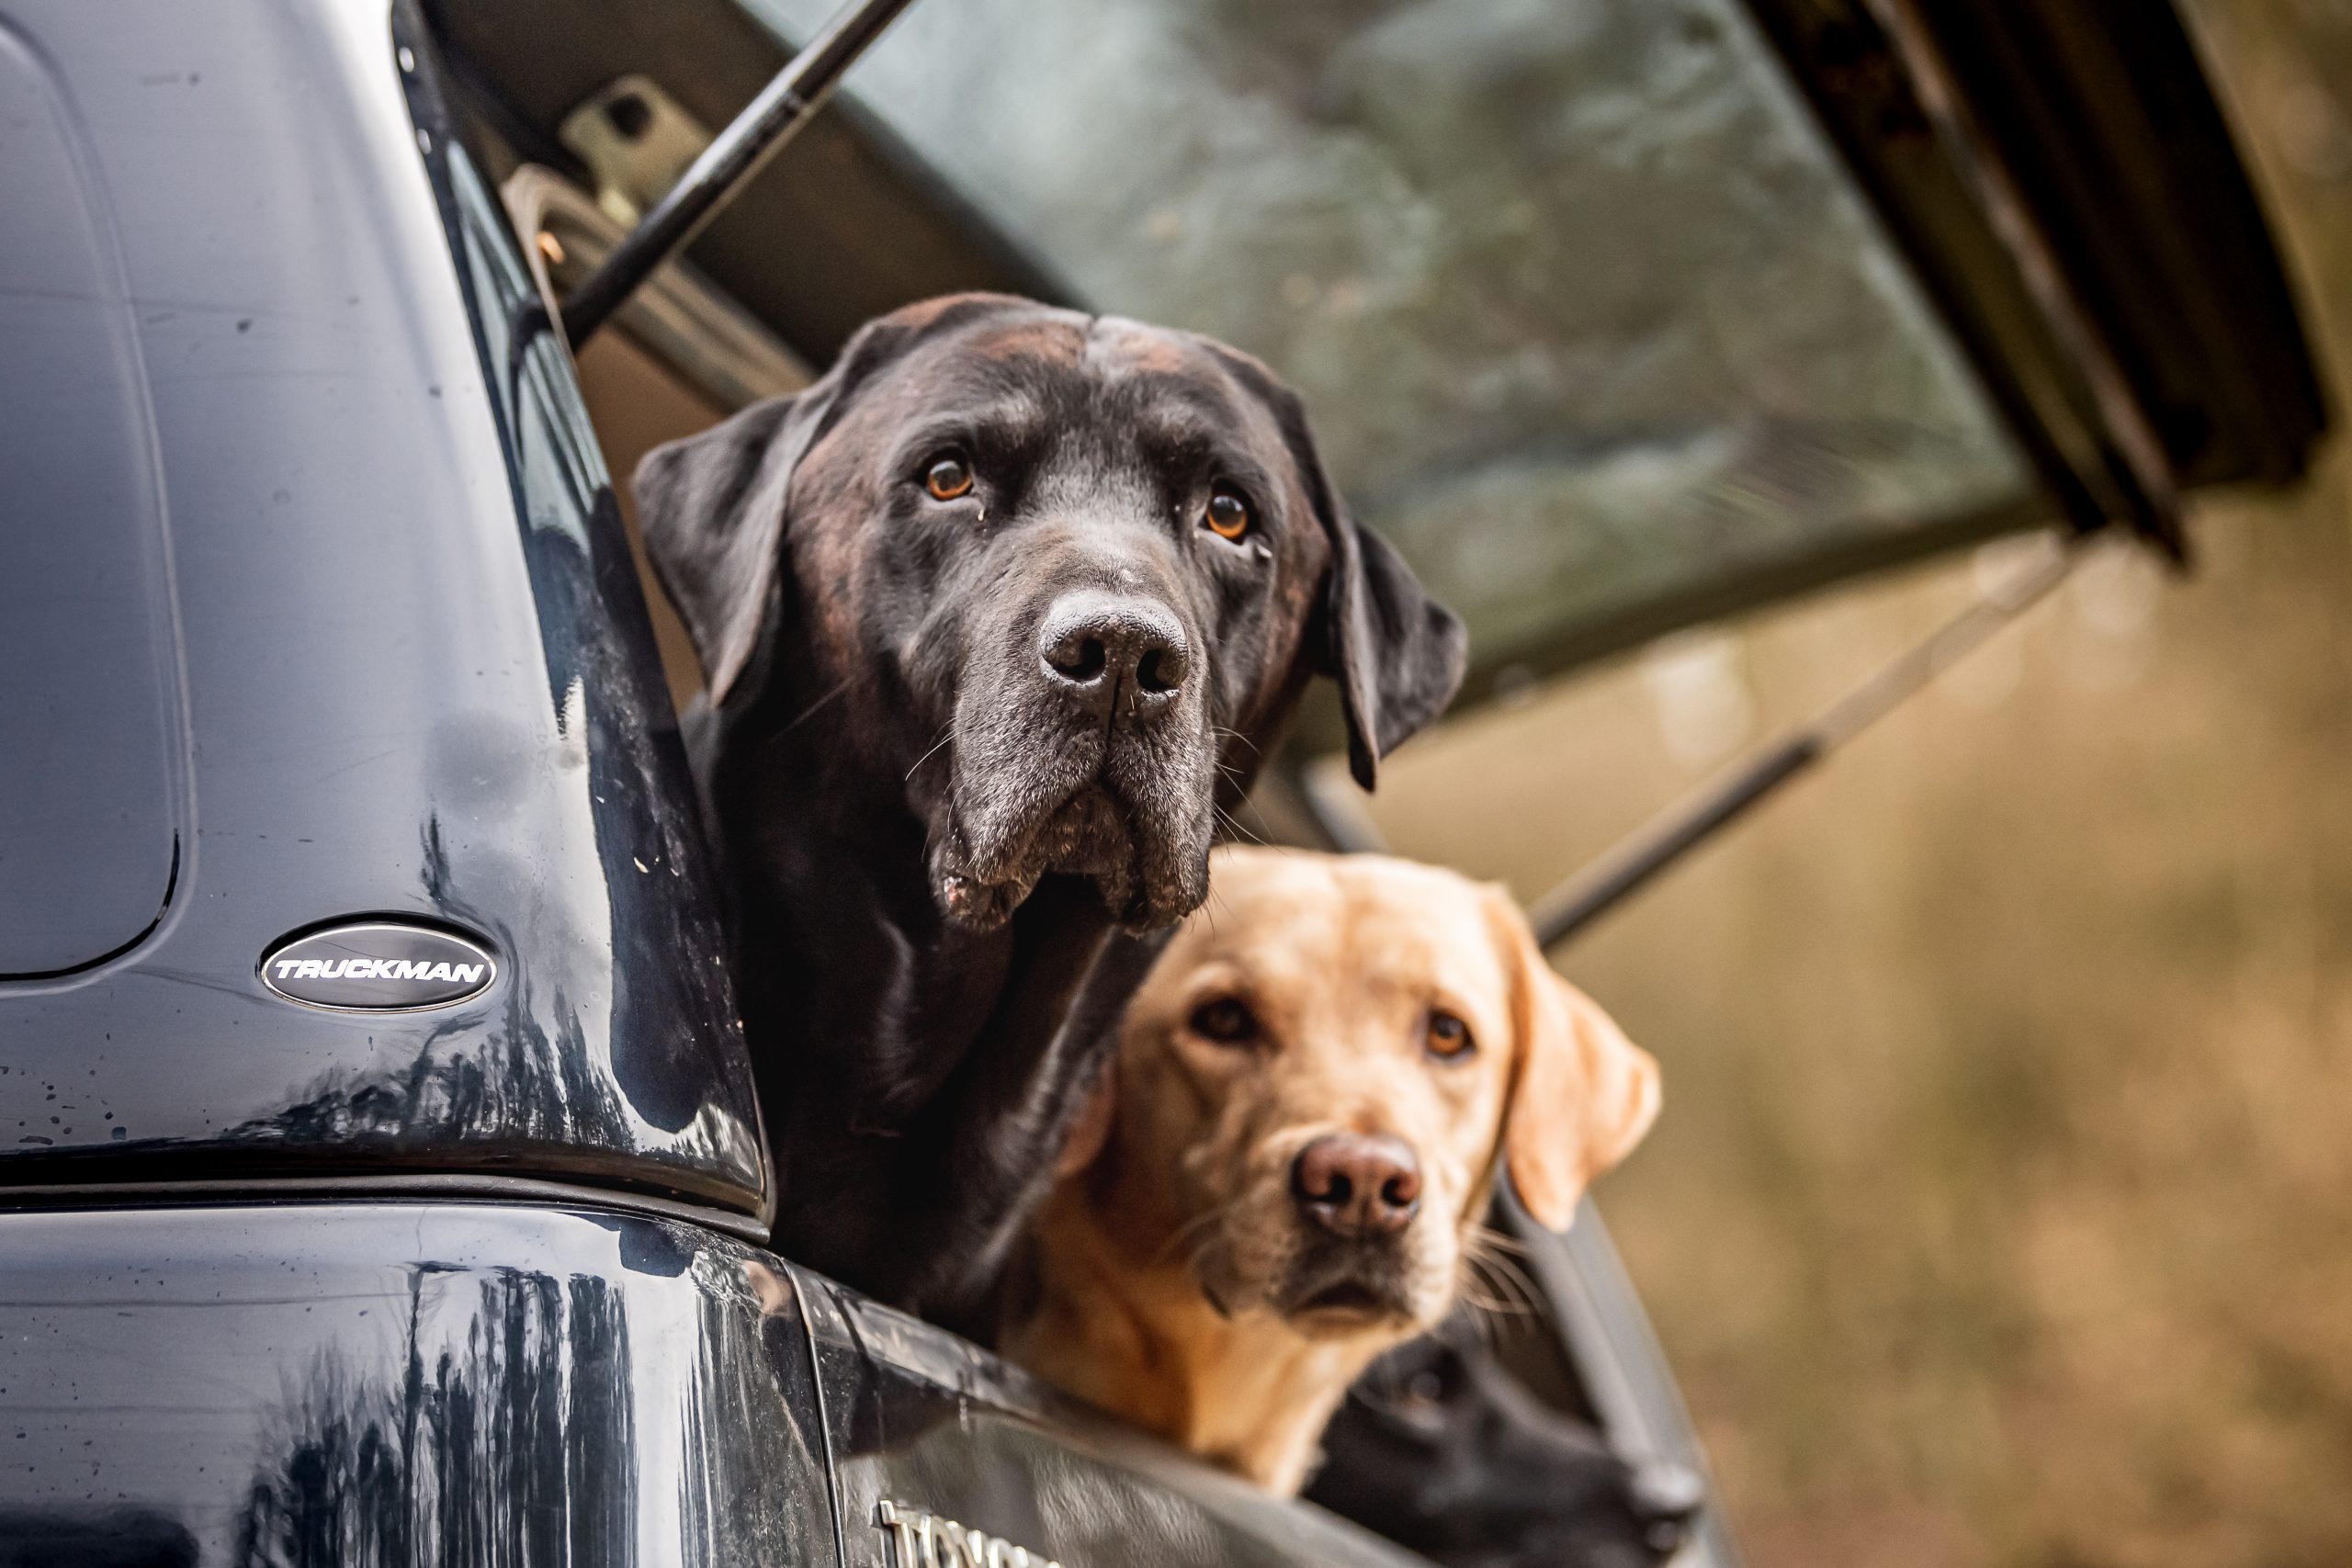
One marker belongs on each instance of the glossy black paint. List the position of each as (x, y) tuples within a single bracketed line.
[(921, 1419), (403, 666), (400, 1385), (457, 1385)]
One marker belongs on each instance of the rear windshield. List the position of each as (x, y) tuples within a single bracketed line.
[(91, 802), (1590, 319)]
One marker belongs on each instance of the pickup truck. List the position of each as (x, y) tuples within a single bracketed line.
[(381, 1181)]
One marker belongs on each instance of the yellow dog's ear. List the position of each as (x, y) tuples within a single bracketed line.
[(1581, 1095), (1090, 1129)]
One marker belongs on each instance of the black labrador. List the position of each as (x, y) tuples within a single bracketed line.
[(996, 616), (1441, 1449)]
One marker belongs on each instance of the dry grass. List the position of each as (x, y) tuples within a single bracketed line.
[(2000, 1213)]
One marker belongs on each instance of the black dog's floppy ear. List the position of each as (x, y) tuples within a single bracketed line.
[(712, 506), (1397, 654)]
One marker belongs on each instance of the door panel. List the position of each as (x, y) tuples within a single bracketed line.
[(945, 1434)]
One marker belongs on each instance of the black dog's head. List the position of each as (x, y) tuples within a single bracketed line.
[(1066, 570), (1440, 1449)]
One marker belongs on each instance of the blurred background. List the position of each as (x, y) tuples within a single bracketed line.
[(2000, 1213)]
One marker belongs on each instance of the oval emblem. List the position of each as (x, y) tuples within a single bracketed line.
[(379, 966)]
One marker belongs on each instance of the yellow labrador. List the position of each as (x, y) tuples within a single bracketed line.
[(1279, 1178)]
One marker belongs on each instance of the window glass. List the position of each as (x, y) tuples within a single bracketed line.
[(1590, 317), (92, 794)]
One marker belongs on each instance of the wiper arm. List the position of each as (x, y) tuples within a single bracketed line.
[(1641, 855), (786, 104), (1675, 832)]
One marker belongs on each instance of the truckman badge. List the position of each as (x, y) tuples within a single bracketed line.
[(379, 965)]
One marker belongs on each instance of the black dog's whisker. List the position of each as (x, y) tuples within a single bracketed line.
[(1240, 830), (1209, 907), (927, 756), (809, 712)]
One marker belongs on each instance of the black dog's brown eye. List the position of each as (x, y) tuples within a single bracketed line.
[(1228, 515), (948, 478), (1226, 1020), (1448, 1035)]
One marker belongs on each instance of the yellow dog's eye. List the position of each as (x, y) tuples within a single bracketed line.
[(948, 478), (1227, 1020), (1227, 515), (1447, 1035)]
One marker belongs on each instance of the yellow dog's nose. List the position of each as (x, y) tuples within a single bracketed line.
[(1357, 1184)]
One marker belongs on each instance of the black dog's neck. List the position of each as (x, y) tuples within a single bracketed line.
[(916, 1077)]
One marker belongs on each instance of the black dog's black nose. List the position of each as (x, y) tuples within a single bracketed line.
[(1107, 648), (1357, 1185)]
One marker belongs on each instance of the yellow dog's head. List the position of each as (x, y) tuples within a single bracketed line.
[(1320, 1078)]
